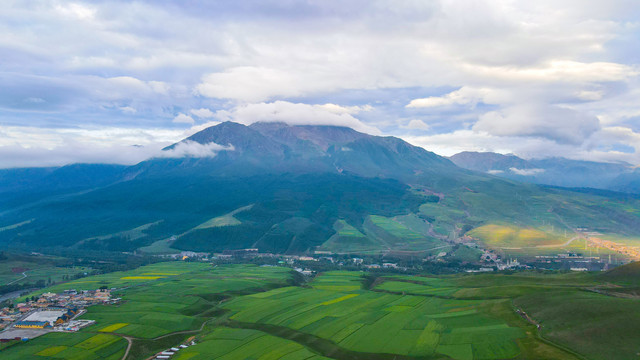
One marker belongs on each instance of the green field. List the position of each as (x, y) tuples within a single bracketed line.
[(81, 345), (229, 344), (28, 269), (160, 247), (506, 236), (371, 322), (252, 312)]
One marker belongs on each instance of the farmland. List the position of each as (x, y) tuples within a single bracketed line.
[(84, 345), (246, 311), (25, 269)]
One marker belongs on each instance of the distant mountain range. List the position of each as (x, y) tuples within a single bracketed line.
[(286, 189), (555, 171)]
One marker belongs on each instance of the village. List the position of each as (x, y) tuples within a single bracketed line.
[(38, 315)]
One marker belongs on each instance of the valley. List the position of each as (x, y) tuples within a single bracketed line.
[(232, 311)]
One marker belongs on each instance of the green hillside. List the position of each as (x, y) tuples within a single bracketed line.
[(305, 184)]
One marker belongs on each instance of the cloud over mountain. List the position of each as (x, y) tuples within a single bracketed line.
[(529, 75)]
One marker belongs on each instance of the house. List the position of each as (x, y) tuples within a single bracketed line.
[(32, 325)]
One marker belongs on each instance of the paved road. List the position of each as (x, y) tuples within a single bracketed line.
[(130, 339), (544, 246), (24, 276)]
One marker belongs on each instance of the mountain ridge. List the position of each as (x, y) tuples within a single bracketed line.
[(555, 171)]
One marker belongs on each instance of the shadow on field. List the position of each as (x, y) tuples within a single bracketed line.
[(322, 346)]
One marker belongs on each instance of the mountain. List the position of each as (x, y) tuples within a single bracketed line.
[(627, 182), (290, 189), (555, 171), (18, 186)]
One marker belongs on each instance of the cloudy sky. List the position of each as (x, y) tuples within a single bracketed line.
[(115, 81)]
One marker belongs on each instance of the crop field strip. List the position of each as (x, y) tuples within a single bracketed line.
[(83, 345), (362, 323), (562, 292)]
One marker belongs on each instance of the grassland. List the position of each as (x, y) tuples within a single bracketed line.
[(160, 247), (130, 235), (163, 246), (348, 239), (404, 234), (251, 312), (224, 220)]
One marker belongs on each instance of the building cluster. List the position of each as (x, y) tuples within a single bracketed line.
[(510, 264), (167, 354), (53, 310)]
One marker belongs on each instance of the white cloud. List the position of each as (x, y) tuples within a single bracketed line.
[(183, 119), (597, 148), (293, 114), (203, 113), (526, 172), (555, 71), (463, 96), (34, 100), (75, 10), (495, 172), (132, 85), (37, 147), (193, 149), (338, 109), (559, 124), (416, 124), (252, 84), (590, 95), (128, 110)]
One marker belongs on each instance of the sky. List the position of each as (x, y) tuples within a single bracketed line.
[(114, 82)]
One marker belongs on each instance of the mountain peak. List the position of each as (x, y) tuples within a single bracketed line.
[(322, 136)]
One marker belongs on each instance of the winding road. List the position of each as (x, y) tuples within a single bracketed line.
[(24, 276), (544, 246)]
